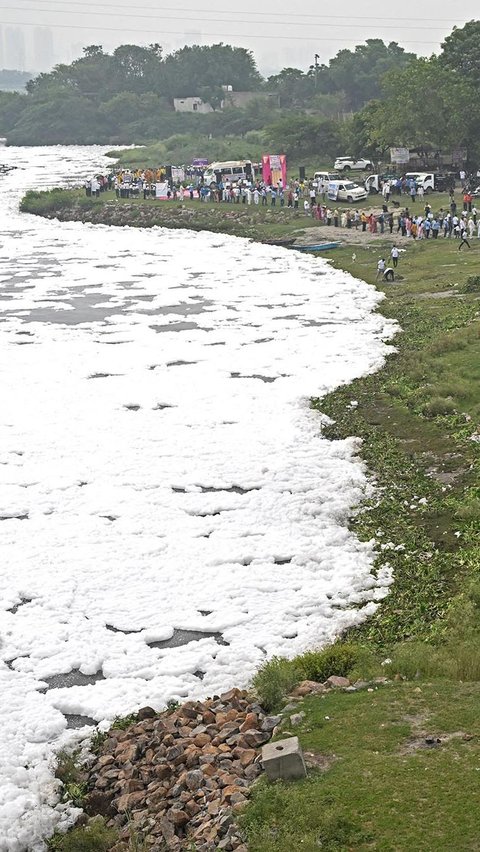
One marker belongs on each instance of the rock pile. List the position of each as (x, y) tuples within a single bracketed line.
[(178, 779)]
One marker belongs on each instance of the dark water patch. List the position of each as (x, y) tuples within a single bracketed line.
[(266, 379), (75, 721), (199, 673), (23, 343), (73, 678), (283, 560), (25, 333), (205, 611), (11, 517), (83, 310), (132, 407), (219, 343), (102, 375), (260, 340), (183, 309), (180, 363), (119, 630), (183, 637), (176, 326), (287, 317), (231, 489), (161, 406), (111, 518), (17, 606)]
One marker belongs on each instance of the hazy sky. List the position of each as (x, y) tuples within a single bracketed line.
[(280, 34)]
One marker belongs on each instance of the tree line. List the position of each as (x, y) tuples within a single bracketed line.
[(364, 101)]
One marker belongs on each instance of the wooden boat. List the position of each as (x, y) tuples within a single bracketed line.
[(283, 243), (316, 246)]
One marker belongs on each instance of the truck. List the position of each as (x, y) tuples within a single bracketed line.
[(373, 183), (432, 181)]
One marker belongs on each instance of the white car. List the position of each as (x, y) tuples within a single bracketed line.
[(346, 164), (345, 190)]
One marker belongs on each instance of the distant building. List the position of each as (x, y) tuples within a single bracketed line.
[(239, 100), (42, 49), (192, 105), (235, 100), (15, 48)]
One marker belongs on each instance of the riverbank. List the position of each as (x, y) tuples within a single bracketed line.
[(252, 221), (418, 419)]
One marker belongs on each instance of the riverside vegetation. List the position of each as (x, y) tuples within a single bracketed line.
[(402, 757)]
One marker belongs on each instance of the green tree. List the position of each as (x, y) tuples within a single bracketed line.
[(294, 87), (359, 72), (425, 105), (299, 135), (210, 67), (461, 51), (137, 69)]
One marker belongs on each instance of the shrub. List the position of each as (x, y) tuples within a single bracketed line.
[(338, 659), (447, 343), (94, 837), (439, 407), (458, 661), (274, 680), (472, 284)]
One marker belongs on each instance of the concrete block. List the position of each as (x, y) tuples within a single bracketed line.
[(284, 759)]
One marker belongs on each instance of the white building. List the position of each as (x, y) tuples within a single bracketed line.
[(191, 105)]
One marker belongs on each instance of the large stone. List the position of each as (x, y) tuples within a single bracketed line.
[(194, 780), (284, 759), (308, 687), (336, 680), (146, 713)]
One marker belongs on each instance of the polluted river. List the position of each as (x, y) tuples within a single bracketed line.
[(170, 514)]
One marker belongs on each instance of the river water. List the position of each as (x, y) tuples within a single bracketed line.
[(170, 515)]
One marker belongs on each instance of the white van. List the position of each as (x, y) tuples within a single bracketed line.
[(345, 190), (326, 177), (231, 170)]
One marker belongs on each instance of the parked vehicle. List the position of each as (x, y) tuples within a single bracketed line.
[(326, 177), (346, 164), (232, 171), (373, 183), (432, 181), (341, 190)]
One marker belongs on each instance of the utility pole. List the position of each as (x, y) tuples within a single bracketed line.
[(317, 57)]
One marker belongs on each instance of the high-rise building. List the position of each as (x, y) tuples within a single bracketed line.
[(43, 52), (14, 48)]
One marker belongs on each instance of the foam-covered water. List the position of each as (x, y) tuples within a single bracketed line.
[(170, 514)]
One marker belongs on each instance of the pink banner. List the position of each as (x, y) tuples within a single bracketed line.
[(274, 168)]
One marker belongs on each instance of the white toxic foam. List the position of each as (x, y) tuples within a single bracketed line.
[(171, 515)]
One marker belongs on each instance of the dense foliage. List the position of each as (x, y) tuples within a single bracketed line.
[(364, 101)]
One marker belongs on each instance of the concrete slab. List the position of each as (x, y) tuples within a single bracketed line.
[(284, 759)]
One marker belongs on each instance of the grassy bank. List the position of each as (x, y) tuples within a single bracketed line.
[(397, 770)]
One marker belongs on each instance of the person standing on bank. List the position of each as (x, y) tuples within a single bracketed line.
[(394, 255), (380, 268)]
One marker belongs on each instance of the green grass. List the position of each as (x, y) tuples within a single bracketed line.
[(377, 795), (94, 837)]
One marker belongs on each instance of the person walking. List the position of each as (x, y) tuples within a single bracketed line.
[(463, 240)]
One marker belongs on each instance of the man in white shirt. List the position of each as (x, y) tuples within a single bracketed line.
[(380, 268), (394, 256)]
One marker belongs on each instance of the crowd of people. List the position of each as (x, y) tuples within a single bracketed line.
[(312, 198)]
